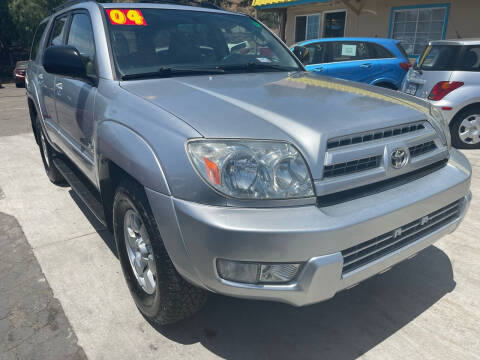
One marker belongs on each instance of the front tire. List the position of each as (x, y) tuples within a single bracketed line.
[(47, 153), (465, 129), (158, 290)]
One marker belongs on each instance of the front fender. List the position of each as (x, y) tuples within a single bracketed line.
[(131, 152)]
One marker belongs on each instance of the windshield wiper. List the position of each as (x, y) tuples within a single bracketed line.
[(253, 66), (171, 71)]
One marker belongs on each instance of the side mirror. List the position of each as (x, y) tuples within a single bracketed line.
[(64, 60), (300, 52)]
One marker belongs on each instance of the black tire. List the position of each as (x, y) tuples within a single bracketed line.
[(19, 85), (456, 126), (173, 299), (48, 153)]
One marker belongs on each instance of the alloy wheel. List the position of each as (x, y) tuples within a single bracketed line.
[(139, 251), (469, 130)]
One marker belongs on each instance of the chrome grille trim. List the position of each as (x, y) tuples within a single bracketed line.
[(371, 250), (352, 166), (340, 173), (421, 149), (374, 135)]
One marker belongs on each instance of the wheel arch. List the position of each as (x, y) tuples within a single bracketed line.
[(121, 154)]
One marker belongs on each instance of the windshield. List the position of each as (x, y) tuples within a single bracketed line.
[(439, 58), (178, 42)]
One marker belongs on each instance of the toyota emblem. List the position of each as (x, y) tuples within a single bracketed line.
[(399, 158)]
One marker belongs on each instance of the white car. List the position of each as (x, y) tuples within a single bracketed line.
[(448, 75)]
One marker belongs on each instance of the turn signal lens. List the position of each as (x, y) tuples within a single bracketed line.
[(213, 173), (442, 89)]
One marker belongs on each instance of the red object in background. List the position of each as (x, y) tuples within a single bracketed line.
[(405, 65), (266, 52), (19, 73), (443, 88)]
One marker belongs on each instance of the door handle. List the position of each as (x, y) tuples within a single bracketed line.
[(319, 69), (59, 86), (366, 66)]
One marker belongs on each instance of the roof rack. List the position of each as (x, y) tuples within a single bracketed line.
[(68, 3), (204, 4)]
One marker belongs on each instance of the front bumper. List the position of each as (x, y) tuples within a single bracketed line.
[(196, 235)]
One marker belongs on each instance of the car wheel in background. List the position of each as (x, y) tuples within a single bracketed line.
[(48, 153), (19, 85), (159, 291), (465, 129)]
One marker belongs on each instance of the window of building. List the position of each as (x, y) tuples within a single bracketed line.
[(334, 24), (307, 27), (416, 26)]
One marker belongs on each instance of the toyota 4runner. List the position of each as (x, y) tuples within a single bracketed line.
[(221, 165)]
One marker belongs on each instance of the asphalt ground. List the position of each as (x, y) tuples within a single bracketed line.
[(32, 322), (427, 307)]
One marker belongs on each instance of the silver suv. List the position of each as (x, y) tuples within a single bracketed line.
[(221, 165), (448, 75)]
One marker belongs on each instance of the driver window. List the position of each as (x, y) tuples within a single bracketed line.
[(81, 37)]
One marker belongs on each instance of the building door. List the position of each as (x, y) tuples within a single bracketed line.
[(334, 24)]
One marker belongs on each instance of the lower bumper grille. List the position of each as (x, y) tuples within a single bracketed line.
[(371, 250)]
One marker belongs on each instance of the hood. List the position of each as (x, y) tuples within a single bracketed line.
[(302, 108)]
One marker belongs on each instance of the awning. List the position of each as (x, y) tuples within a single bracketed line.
[(270, 4)]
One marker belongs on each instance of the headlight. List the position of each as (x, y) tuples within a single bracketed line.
[(440, 119), (252, 169)]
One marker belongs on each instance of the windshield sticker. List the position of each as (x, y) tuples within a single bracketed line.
[(126, 17), (264, 60), (349, 50)]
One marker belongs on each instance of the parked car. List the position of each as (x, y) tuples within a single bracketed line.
[(375, 61), (233, 170), (448, 75), (19, 73)]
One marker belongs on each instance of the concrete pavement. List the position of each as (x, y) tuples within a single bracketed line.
[(425, 308)]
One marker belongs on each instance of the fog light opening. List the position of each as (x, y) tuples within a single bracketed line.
[(257, 273)]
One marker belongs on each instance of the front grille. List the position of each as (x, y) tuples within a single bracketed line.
[(351, 167), (371, 250), (422, 148), (374, 135)]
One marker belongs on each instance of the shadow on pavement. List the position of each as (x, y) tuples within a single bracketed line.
[(344, 327), (104, 233)]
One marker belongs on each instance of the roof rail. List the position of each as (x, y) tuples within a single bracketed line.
[(204, 4), (68, 3)]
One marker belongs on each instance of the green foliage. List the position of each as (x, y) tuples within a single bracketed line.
[(25, 15)]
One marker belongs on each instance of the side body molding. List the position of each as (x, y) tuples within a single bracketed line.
[(132, 153)]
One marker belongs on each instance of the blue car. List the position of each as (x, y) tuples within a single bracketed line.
[(375, 61)]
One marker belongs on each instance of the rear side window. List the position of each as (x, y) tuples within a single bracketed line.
[(348, 51), (58, 31), (379, 52), (316, 53), (470, 60), (439, 58), (36, 40)]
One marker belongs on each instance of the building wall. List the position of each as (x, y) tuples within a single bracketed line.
[(374, 19)]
